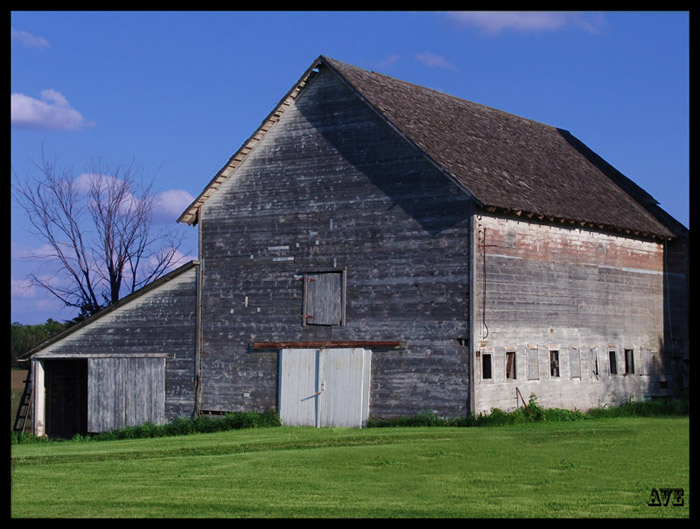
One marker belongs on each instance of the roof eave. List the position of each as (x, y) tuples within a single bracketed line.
[(589, 224)]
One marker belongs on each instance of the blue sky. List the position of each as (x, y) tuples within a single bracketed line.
[(177, 93)]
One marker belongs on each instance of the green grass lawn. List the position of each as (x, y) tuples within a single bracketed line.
[(595, 468)]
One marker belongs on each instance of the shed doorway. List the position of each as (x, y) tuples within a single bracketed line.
[(66, 397), (324, 387), (97, 394)]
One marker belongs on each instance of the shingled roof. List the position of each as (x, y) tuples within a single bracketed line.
[(505, 162)]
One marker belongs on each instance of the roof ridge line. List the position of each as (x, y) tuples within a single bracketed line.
[(444, 94), (398, 130)]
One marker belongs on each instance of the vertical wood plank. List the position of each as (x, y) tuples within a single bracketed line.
[(324, 298), (125, 392), (298, 385)]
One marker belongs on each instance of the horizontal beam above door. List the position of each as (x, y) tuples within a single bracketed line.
[(259, 346)]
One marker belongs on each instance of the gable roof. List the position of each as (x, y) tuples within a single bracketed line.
[(505, 162)]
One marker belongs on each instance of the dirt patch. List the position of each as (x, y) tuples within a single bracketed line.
[(17, 380)]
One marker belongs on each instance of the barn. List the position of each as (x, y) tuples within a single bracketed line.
[(380, 249)]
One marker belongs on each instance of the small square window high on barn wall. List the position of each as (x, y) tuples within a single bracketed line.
[(510, 238), (324, 298)]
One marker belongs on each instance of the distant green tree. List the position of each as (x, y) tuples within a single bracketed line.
[(25, 337)]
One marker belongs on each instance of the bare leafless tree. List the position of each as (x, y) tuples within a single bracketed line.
[(99, 229)]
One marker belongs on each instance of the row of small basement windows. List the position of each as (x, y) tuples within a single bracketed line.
[(511, 368)]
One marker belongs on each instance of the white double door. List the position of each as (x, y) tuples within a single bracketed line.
[(324, 387)]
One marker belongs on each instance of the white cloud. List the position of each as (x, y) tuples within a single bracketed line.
[(42, 252), (493, 22), (170, 204), (87, 181), (27, 39), (179, 259), (28, 289), (31, 305), (52, 112), (432, 59), (22, 288), (167, 205), (387, 62)]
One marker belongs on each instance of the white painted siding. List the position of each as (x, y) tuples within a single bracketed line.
[(540, 288), (298, 385)]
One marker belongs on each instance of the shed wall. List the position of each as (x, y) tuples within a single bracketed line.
[(140, 355)]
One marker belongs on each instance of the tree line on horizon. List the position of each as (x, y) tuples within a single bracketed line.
[(24, 337)]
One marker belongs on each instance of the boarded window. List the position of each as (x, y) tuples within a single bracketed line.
[(510, 238), (645, 362), (554, 363), (510, 364), (574, 362), (533, 367), (593, 361), (629, 361), (324, 298), (613, 362), (486, 372)]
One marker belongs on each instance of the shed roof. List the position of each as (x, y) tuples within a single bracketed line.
[(109, 309), (505, 162)]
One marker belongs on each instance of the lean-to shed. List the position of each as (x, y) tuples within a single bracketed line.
[(131, 363)]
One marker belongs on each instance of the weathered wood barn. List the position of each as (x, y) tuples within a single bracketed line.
[(380, 249)]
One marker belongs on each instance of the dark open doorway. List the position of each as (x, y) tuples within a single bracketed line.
[(66, 397)]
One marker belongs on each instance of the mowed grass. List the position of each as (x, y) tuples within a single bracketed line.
[(603, 468)]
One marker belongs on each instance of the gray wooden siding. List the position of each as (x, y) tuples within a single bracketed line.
[(125, 392), (331, 186), (677, 310)]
